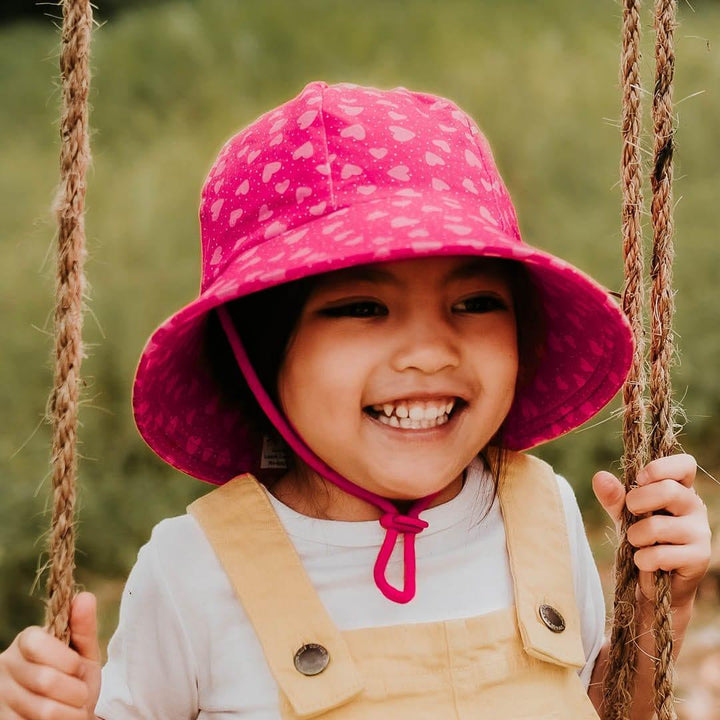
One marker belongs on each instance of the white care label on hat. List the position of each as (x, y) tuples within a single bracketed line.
[(273, 454)]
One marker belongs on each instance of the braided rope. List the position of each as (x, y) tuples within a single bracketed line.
[(662, 433), (69, 207), (622, 659), (620, 674)]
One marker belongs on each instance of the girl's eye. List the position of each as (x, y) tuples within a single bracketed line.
[(480, 304), (360, 309)]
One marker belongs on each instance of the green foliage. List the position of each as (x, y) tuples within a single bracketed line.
[(172, 81)]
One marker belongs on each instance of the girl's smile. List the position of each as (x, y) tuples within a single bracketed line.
[(415, 414), (398, 374)]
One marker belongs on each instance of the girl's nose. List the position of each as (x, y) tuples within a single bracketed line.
[(426, 345)]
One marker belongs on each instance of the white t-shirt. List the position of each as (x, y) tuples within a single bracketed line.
[(184, 647)]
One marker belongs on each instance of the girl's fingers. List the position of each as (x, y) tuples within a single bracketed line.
[(672, 557), (29, 705), (610, 494), (48, 682), (681, 468), (669, 495), (668, 530), (83, 626), (7, 713), (37, 646)]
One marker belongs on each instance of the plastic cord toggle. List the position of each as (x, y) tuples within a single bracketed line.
[(396, 524), (402, 523)]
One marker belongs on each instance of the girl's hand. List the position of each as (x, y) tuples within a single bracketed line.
[(678, 541), (40, 677)]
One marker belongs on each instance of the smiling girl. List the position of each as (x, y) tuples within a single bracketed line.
[(422, 346), (372, 347)]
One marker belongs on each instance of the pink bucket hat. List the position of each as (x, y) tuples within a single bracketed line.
[(344, 175)]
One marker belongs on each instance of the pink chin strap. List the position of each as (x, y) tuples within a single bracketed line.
[(395, 523)]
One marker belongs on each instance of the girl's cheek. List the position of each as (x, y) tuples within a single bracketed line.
[(318, 370)]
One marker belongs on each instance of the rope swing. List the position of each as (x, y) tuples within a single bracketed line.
[(70, 282), (639, 445), (638, 448)]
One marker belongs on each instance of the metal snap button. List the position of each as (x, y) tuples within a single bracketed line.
[(311, 659), (552, 618)]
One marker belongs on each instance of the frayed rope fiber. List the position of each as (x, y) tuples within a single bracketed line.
[(638, 447), (662, 411), (63, 406), (622, 660)]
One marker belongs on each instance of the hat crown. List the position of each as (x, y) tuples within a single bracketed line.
[(334, 146)]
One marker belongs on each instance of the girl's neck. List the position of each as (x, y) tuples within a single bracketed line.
[(310, 494)]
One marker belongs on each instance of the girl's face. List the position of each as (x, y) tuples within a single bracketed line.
[(399, 373)]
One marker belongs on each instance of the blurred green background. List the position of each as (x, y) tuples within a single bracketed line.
[(173, 80)]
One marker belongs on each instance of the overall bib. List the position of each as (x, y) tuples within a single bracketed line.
[(518, 663)]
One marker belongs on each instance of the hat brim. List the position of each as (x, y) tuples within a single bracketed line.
[(587, 351)]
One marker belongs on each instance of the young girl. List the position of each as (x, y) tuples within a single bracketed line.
[(371, 347)]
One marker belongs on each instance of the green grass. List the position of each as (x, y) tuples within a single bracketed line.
[(173, 81)]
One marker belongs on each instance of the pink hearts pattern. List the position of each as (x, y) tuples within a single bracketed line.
[(399, 172), (356, 131), (362, 145), (340, 175), (269, 170), (401, 134), (305, 151)]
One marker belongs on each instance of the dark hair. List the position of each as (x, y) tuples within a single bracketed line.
[(265, 321)]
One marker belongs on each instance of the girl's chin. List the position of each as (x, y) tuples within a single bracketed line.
[(414, 482)]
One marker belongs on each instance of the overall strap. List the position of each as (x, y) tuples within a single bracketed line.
[(277, 595), (540, 561)]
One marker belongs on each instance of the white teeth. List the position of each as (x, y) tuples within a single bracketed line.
[(411, 424), (416, 413)]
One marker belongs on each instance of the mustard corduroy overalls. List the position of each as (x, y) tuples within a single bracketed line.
[(519, 663)]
